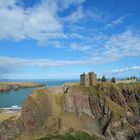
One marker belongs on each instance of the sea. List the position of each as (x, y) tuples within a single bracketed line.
[(13, 99)]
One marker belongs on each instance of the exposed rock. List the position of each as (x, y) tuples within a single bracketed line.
[(36, 109), (10, 129), (77, 103)]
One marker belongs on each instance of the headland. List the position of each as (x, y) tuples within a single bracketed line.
[(6, 86), (102, 111)]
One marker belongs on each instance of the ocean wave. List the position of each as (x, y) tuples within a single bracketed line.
[(14, 107)]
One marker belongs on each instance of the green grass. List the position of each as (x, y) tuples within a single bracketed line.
[(77, 135), (116, 109)]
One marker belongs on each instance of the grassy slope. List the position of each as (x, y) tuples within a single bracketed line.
[(71, 135)]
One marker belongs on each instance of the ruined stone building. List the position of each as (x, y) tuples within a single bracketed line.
[(132, 79), (88, 79)]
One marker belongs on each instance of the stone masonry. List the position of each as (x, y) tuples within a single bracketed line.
[(88, 79)]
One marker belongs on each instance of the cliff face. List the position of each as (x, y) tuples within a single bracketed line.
[(10, 128), (116, 107), (109, 111)]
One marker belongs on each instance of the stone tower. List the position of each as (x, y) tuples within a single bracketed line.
[(82, 79), (88, 79)]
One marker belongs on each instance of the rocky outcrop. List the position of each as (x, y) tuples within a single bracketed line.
[(77, 103), (36, 109), (6, 86), (110, 111), (9, 129)]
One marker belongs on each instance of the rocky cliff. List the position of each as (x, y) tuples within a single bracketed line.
[(105, 111)]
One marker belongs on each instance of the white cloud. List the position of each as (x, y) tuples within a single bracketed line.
[(122, 70), (9, 64), (123, 45), (7, 3), (76, 15), (42, 21), (80, 13), (12, 64), (66, 3), (115, 47), (96, 15), (106, 48), (77, 36), (109, 48), (81, 47), (39, 22), (20, 62), (116, 22)]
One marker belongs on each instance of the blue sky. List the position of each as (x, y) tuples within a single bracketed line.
[(60, 39)]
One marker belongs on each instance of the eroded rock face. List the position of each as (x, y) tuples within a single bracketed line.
[(10, 129), (42, 104), (77, 103), (36, 109)]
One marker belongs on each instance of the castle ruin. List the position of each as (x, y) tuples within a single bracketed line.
[(132, 79), (89, 79)]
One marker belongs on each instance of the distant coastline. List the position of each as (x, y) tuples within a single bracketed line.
[(17, 96), (6, 86)]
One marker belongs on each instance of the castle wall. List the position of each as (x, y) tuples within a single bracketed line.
[(82, 79), (88, 79), (92, 79), (127, 81)]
